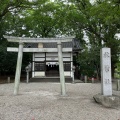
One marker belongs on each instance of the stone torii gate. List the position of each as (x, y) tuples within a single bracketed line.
[(20, 50)]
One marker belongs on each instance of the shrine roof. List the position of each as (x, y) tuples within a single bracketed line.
[(75, 44)]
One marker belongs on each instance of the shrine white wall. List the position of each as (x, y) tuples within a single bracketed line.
[(50, 58), (37, 74)]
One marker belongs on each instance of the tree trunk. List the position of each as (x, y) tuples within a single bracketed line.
[(112, 70)]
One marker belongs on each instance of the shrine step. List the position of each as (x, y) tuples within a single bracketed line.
[(50, 79)]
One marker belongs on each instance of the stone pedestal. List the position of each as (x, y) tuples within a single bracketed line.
[(8, 79), (73, 79), (27, 77), (108, 101), (85, 78), (92, 80), (118, 85)]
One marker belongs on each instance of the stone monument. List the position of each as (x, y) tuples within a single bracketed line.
[(106, 98), (106, 71)]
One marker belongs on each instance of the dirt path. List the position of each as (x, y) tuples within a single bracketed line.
[(42, 101)]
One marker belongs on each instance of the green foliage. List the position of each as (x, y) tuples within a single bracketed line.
[(7, 60), (8, 11), (43, 18), (100, 21), (89, 61), (23, 18), (45, 21), (117, 70)]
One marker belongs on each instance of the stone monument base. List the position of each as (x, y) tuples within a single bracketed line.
[(107, 101)]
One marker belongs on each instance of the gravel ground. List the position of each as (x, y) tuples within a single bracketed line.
[(42, 101)]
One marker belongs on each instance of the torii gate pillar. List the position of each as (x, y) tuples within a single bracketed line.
[(61, 69), (18, 68)]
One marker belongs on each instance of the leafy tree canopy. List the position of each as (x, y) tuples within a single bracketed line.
[(44, 18)]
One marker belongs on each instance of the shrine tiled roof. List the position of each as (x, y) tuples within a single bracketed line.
[(75, 44)]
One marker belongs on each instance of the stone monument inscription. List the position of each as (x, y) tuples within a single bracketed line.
[(106, 72)]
